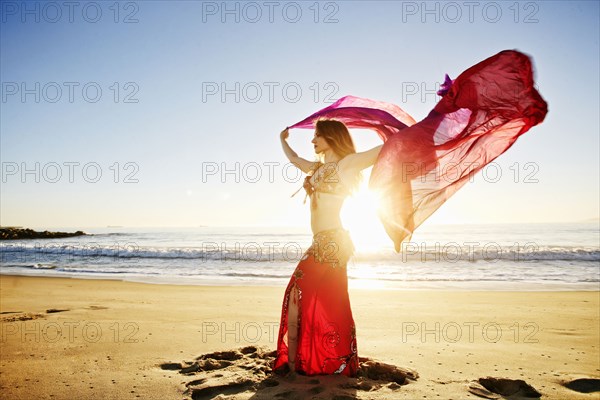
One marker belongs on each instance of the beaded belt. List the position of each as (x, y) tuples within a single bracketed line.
[(333, 246)]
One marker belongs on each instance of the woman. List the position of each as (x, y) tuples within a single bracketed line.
[(317, 333)]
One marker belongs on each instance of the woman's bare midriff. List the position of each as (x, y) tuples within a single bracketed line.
[(327, 213)]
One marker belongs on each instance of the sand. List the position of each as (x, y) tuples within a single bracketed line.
[(86, 338)]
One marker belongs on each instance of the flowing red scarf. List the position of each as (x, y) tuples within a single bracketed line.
[(480, 115)]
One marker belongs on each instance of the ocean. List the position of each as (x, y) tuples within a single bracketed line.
[(559, 256)]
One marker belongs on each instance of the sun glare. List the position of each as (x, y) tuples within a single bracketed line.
[(360, 218)]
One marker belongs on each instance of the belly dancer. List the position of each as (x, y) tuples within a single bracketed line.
[(317, 334)]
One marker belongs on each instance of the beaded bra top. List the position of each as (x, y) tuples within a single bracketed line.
[(326, 182)]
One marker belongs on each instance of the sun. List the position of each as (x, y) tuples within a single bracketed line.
[(360, 218), (370, 239)]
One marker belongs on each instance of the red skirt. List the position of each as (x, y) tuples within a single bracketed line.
[(326, 336)]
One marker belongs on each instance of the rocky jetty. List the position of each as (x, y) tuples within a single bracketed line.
[(11, 233)]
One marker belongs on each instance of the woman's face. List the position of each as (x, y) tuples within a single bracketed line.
[(320, 143)]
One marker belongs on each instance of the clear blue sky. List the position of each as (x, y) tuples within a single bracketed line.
[(177, 51)]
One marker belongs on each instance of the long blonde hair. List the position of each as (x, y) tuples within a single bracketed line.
[(338, 137)]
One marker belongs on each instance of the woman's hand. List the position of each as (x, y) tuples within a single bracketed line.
[(304, 165), (284, 134)]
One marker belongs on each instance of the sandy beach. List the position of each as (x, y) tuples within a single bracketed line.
[(85, 338)]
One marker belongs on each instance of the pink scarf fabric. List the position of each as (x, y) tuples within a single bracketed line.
[(480, 115)]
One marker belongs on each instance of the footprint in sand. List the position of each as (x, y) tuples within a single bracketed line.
[(494, 388), (583, 385), (380, 371), (246, 373), (56, 310), (22, 317)]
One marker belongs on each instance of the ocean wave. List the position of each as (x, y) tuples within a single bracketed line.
[(254, 275), (497, 253), (252, 253), (43, 266), (215, 253)]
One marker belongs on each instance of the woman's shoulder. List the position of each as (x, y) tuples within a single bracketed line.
[(360, 160), (347, 163)]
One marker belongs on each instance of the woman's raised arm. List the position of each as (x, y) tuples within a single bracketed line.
[(303, 164)]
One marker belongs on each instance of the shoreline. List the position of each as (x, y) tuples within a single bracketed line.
[(354, 284)]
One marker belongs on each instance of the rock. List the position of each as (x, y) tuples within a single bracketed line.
[(14, 233)]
